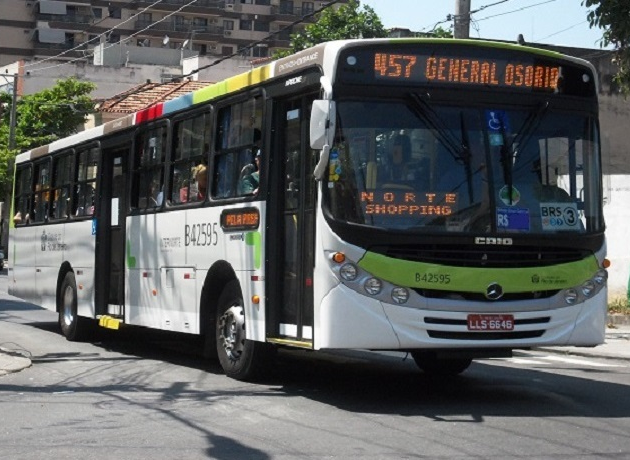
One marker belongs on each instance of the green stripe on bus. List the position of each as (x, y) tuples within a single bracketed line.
[(467, 279), (210, 92), (232, 84), (255, 239), (131, 260)]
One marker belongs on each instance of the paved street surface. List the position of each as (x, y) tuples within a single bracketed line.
[(136, 394)]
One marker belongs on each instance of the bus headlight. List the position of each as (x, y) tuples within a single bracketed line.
[(348, 272), (600, 277), (400, 295), (570, 296), (588, 288), (373, 286)]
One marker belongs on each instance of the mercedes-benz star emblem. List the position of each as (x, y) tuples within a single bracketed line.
[(494, 291)]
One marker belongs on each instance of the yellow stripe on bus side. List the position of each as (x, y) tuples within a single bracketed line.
[(232, 84)]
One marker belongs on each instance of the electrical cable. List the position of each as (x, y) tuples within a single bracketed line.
[(118, 42), (240, 50), (516, 10), (261, 41), (451, 17), (97, 37)]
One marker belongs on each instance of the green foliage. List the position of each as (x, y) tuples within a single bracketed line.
[(619, 306), (440, 32), (614, 17), (42, 118), (349, 21)]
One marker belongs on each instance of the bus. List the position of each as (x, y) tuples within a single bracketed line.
[(437, 197)]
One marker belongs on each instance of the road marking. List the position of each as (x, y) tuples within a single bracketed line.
[(578, 362), (525, 361), (548, 360)]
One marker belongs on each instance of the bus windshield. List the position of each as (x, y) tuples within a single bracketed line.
[(411, 166)]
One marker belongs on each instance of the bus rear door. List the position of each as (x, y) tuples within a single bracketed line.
[(110, 232)]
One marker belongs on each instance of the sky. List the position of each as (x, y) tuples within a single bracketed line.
[(558, 22)]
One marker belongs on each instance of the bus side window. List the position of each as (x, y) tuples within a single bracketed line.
[(41, 199), (85, 182), (148, 169), (238, 140), (62, 179), (189, 154), (23, 194)]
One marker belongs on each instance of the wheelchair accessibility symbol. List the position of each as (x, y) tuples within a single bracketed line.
[(497, 120)]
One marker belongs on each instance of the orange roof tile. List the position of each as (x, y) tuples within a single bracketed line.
[(148, 94)]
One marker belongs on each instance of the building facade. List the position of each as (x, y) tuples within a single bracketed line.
[(60, 29)]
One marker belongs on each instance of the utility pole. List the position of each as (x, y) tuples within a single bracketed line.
[(461, 28), (12, 119)]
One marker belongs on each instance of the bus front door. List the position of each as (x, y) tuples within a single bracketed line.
[(110, 234), (292, 181)]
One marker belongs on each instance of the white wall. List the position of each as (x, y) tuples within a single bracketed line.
[(617, 215), (113, 80)]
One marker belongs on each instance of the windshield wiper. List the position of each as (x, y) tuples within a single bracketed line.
[(507, 160), (530, 124), (467, 156), (525, 132), (426, 113)]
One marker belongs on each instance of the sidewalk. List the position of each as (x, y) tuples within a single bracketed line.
[(617, 345)]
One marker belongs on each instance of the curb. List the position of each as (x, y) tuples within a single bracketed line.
[(618, 320), (568, 351)]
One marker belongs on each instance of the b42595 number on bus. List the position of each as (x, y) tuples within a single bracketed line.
[(433, 278)]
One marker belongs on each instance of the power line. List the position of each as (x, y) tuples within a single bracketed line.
[(120, 41), (451, 17), (254, 44), (515, 11), (251, 45), (481, 8), (97, 37), (563, 30)]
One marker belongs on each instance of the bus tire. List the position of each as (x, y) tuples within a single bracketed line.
[(74, 327), (240, 358), (430, 364)]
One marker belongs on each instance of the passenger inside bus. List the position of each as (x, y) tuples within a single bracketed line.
[(85, 199), (201, 177), (156, 194), (400, 155), (250, 177), (397, 172)]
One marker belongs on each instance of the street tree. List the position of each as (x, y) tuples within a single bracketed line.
[(614, 17), (42, 118), (348, 21)]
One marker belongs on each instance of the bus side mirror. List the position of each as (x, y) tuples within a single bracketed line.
[(322, 132), (322, 128)]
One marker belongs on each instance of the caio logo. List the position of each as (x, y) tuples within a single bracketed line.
[(491, 241)]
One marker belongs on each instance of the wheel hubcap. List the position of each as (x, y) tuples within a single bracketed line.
[(232, 331), (68, 299)]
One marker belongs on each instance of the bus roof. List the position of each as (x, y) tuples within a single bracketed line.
[(322, 55)]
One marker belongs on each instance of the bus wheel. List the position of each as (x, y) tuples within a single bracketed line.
[(73, 327), (240, 358), (432, 365)]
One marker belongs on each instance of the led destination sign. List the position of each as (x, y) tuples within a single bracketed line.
[(408, 204), (470, 66), (464, 70), (240, 219)]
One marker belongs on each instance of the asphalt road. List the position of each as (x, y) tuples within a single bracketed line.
[(143, 395)]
